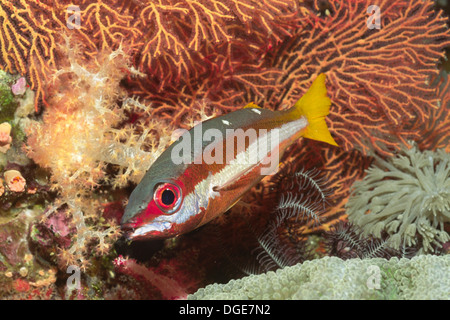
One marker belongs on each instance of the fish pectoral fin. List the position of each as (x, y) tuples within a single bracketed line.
[(231, 206)]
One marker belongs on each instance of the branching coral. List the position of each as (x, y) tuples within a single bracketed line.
[(27, 42), (435, 132), (407, 196), (196, 58), (31, 30)]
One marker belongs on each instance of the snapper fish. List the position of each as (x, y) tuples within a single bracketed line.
[(210, 167)]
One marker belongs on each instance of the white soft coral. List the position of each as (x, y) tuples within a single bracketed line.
[(83, 132)]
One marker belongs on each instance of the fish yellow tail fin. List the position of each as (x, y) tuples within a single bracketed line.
[(315, 106)]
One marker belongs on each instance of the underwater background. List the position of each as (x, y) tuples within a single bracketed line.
[(91, 92)]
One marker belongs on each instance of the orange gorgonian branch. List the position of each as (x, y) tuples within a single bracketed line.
[(28, 40), (176, 32), (435, 132), (105, 25)]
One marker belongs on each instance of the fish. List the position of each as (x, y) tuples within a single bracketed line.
[(209, 168)]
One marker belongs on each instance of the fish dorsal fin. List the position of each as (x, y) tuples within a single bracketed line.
[(252, 105)]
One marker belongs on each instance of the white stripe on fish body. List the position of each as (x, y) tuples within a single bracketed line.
[(258, 151)]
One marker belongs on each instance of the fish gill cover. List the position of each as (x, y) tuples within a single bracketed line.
[(109, 81)]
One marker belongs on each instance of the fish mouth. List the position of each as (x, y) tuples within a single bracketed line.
[(152, 230), (128, 228)]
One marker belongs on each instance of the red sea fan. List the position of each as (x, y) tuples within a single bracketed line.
[(377, 78), (182, 38), (435, 132), (225, 69)]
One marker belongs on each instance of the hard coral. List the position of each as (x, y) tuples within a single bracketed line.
[(28, 43), (422, 277), (205, 57), (407, 196)]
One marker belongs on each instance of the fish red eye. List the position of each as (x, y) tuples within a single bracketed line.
[(167, 197)]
